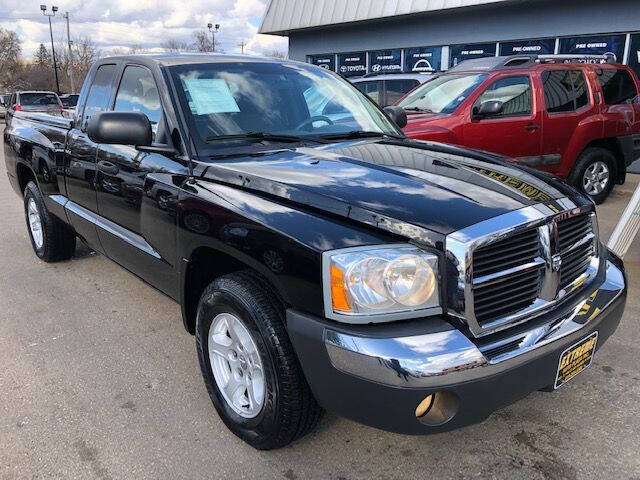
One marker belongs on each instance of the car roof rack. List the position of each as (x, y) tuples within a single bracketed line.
[(573, 58), (520, 61)]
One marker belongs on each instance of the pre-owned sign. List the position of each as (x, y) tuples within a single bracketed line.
[(352, 64), (541, 46), (383, 61), (594, 45), (325, 61), (460, 53), (422, 59)]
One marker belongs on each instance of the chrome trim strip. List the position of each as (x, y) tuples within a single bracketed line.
[(494, 277), (122, 233), (460, 246)]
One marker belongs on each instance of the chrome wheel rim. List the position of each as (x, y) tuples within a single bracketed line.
[(35, 223), (596, 178), (236, 365)]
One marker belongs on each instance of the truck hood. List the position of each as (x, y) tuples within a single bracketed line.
[(438, 187)]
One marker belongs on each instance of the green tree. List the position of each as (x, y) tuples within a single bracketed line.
[(42, 57)]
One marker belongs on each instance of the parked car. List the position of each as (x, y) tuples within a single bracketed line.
[(577, 121), (69, 100), (414, 287), (4, 98), (386, 89), (34, 102)]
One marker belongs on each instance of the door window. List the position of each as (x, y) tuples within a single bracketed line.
[(564, 90), (99, 93), (138, 93), (371, 88), (396, 89), (617, 86), (514, 93)]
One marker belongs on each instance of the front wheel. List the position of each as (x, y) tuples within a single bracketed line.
[(52, 240), (249, 365), (594, 173)]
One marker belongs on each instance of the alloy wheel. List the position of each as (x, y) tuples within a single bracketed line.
[(595, 178)]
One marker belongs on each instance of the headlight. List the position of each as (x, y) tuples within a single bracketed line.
[(371, 284)]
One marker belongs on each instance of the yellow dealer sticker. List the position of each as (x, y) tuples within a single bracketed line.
[(575, 359)]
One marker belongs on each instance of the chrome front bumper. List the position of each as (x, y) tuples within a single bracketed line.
[(441, 358)]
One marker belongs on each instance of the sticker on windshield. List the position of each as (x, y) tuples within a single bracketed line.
[(210, 95)]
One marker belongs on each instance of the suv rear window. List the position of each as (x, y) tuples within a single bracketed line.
[(33, 99), (564, 90), (617, 86)]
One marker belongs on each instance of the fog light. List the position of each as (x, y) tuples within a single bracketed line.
[(424, 406)]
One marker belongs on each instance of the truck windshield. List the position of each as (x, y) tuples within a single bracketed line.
[(239, 101), (442, 94)]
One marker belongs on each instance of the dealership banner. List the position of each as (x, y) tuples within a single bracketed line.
[(594, 45), (634, 53), (325, 61), (460, 53), (384, 61), (541, 46), (423, 59), (352, 64)]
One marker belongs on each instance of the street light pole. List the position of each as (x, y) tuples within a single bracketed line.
[(54, 9), (213, 28), (73, 86)]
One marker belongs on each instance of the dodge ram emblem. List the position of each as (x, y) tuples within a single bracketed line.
[(556, 262)]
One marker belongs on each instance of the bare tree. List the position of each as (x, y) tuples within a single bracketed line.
[(202, 42), (275, 54), (10, 62), (174, 45)]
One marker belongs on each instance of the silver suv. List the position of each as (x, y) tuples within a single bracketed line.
[(386, 89)]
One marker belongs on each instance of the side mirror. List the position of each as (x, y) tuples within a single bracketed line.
[(488, 109), (120, 128), (397, 114)]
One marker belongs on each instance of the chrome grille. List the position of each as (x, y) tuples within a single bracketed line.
[(516, 266), (497, 296)]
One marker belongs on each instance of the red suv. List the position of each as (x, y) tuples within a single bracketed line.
[(578, 121)]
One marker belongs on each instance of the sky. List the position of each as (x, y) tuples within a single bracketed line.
[(146, 23)]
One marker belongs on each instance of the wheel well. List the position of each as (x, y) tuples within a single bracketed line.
[(613, 146), (25, 175), (205, 265)]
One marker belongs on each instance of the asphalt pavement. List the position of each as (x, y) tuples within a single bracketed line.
[(99, 380)]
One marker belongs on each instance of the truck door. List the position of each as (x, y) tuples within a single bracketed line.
[(515, 131), (80, 161), (136, 194)]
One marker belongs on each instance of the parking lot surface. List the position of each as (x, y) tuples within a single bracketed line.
[(99, 379)]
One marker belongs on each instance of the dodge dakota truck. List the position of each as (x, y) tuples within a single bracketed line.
[(322, 260)]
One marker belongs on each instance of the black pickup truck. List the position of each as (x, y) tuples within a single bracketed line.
[(321, 259)]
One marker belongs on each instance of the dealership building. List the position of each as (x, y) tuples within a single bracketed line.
[(354, 37)]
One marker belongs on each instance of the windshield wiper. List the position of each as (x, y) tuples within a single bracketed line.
[(418, 109), (359, 134), (260, 136)]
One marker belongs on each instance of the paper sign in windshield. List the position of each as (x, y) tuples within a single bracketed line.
[(210, 95)]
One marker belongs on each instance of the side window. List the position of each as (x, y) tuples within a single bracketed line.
[(396, 89), (371, 88), (138, 93), (514, 93), (99, 92), (617, 86), (564, 90)]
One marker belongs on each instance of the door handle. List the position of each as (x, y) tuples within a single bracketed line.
[(532, 127), (108, 167)]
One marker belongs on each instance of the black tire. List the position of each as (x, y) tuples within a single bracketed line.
[(289, 410), (586, 159), (58, 240)]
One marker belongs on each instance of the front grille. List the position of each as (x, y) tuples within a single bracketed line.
[(576, 256), (511, 292)]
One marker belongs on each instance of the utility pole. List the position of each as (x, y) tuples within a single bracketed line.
[(213, 28), (241, 45), (70, 72), (54, 9)]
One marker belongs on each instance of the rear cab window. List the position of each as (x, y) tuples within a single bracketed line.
[(38, 99), (565, 91), (617, 86), (396, 89), (371, 88)]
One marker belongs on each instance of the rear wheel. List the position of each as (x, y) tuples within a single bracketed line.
[(594, 173), (248, 363), (52, 240)]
